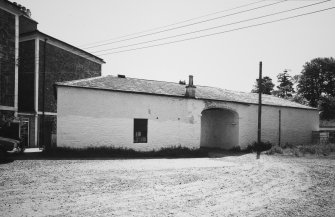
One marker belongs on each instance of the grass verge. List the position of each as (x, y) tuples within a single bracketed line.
[(302, 150), (114, 152)]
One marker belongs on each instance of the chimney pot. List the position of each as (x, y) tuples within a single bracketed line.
[(190, 80), (28, 12), (190, 88)]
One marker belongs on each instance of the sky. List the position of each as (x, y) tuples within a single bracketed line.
[(228, 60)]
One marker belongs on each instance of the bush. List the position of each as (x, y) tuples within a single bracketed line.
[(259, 147), (320, 149), (236, 149), (113, 152), (288, 145), (275, 150)]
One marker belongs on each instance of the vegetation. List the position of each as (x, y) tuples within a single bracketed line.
[(327, 106), (267, 86), (275, 150), (315, 86), (319, 149), (317, 79), (285, 87), (301, 150), (259, 147), (113, 152)]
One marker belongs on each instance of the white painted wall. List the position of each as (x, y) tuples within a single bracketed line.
[(104, 118)]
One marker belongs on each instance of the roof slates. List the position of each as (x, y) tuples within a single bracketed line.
[(114, 83)]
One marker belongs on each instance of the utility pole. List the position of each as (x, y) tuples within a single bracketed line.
[(0, 73), (279, 129), (259, 130)]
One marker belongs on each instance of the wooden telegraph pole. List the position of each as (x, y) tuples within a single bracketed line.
[(259, 136), (279, 129)]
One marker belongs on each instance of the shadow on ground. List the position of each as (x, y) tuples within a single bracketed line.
[(224, 153), (36, 154)]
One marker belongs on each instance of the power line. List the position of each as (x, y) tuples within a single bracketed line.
[(215, 27), (223, 32), (173, 24), (191, 24)]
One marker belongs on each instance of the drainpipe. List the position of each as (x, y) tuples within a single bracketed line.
[(0, 72), (43, 92)]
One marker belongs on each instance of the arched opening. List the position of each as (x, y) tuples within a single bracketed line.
[(219, 128)]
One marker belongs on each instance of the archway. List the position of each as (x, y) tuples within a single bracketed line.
[(219, 128)]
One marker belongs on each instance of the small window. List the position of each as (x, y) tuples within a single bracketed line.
[(140, 130)]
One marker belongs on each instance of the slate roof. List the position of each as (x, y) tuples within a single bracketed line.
[(134, 85)]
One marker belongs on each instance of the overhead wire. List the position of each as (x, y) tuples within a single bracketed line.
[(173, 24), (211, 28), (187, 25), (223, 32)]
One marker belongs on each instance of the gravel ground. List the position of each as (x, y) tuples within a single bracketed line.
[(226, 186)]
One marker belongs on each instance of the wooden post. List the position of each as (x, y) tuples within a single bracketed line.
[(259, 136), (279, 129)]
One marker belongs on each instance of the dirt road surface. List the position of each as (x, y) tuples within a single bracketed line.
[(226, 186)]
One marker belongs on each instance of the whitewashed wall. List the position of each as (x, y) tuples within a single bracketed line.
[(104, 118)]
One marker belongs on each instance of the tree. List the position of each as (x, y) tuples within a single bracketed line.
[(285, 87), (267, 86), (327, 107), (317, 79), (298, 98)]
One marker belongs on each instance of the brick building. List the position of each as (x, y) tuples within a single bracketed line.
[(14, 19), (146, 114), (45, 60), (30, 65)]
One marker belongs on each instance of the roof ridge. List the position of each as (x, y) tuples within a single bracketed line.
[(180, 84), (167, 88), (151, 80)]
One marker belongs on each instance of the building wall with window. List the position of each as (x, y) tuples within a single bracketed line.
[(14, 19), (9, 33), (26, 95), (41, 65), (92, 117), (109, 119)]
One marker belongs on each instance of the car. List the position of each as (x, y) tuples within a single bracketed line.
[(8, 144)]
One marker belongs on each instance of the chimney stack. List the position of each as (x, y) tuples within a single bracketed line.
[(190, 88)]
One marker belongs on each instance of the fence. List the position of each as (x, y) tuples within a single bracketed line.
[(323, 136)]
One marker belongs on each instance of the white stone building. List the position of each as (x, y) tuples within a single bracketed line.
[(144, 115)]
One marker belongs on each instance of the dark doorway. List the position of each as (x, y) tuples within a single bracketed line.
[(219, 129)]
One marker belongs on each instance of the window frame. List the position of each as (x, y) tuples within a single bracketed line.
[(140, 135)]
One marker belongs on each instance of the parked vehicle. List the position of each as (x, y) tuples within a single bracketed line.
[(10, 138), (7, 144)]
